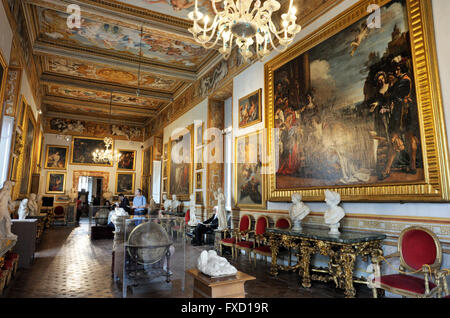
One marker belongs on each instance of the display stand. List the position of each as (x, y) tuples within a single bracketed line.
[(26, 231), (150, 255), (98, 222)]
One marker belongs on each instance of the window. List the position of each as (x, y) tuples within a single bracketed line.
[(5, 147)]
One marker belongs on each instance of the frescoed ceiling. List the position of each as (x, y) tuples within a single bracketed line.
[(140, 51)]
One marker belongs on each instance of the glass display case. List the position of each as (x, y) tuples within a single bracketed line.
[(98, 222), (150, 254)]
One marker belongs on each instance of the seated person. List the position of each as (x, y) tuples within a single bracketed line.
[(123, 203), (203, 227)]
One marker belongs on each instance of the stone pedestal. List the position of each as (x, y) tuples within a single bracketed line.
[(26, 231)]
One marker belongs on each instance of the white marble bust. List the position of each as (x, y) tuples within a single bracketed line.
[(167, 203), (152, 204), (117, 216), (6, 204), (175, 203), (32, 205), (192, 218), (298, 211), (73, 194), (221, 211), (23, 209), (335, 213), (211, 264)]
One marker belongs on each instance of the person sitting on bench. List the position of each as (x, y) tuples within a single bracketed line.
[(205, 227)]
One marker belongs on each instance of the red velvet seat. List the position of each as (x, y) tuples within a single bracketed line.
[(59, 213), (244, 227), (420, 253), (262, 223), (245, 244)]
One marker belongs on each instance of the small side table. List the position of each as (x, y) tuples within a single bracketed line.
[(227, 287)]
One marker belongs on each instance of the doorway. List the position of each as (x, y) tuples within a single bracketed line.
[(92, 188)]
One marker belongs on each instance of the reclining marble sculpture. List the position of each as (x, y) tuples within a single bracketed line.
[(334, 213), (211, 264), (298, 211)]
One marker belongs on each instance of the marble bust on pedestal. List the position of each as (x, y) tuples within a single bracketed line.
[(335, 213), (167, 203), (33, 205), (298, 211), (175, 203)]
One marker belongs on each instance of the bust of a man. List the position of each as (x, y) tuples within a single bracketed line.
[(334, 213), (167, 203), (175, 203), (32, 205), (298, 211)]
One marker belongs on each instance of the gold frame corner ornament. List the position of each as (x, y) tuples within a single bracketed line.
[(436, 184)]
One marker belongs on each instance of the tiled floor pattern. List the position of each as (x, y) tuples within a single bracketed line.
[(68, 264)]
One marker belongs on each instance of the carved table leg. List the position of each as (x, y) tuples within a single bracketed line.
[(274, 249), (305, 261), (348, 258)]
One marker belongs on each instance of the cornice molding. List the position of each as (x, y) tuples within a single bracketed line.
[(49, 115)]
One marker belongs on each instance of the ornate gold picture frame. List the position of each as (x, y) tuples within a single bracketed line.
[(56, 182), (3, 75), (125, 182), (249, 109), (431, 180), (127, 160), (82, 149), (180, 175), (248, 171), (56, 157)]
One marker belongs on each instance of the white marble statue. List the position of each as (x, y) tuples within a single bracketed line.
[(298, 211), (334, 213), (221, 211), (6, 204), (108, 196), (152, 205), (211, 264), (167, 203), (23, 209), (33, 206), (116, 216), (175, 203), (192, 218)]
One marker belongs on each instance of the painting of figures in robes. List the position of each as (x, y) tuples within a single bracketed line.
[(181, 164), (346, 110)]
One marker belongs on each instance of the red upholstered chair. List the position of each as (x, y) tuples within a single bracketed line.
[(59, 213), (261, 246), (420, 253), (187, 216), (244, 227), (243, 242), (284, 223)]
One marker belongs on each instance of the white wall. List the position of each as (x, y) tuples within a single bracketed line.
[(51, 139)]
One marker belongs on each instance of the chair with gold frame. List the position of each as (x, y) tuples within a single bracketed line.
[(284, 223), (443, 284), (245, 224), (59, 213), (420, 253), (261, 246)]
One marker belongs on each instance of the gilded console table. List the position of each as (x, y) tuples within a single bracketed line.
[(341, 249)]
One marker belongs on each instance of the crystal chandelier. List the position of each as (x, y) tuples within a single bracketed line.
[(107, 155), (248, 24)]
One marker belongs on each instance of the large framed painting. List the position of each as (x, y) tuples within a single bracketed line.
[(56, 182), (180, 168), (355, 107), (250, 109), (82, 149), (147, 161), (125, 182), (248, 170), (127, 160), (56, 157), (21, 111), (27, 155)]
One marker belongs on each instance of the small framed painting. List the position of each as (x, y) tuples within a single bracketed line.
[(198, 180), (56, 157), (124, 183), (56, 182), (199, 198), (127, 160), (250, 109)]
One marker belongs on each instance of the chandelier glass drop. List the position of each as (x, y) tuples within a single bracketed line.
[(107, 155), (248, 23)]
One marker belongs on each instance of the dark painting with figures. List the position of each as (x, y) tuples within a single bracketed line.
[(250, 109), (346, 109), (125, 183), (82, 149), (248, 171), (126, 160), (56, 157), (56, 182), (180, 166)]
